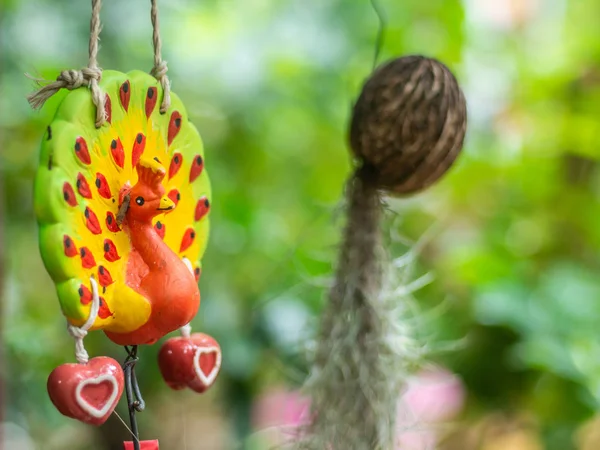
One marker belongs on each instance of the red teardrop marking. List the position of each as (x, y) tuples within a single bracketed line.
[(160, 229), (87, 259), (138, 148), (85, 295), (188, 239), (103, 310), (125, 95), (110, 251), (83, 187), (175, 196), (108, 108), (104, 276), (102, 185), (91, 221), (175, 164), (69, 195), (197, 273), (174, 126), (202, 208), (81, 150), (117, 152), (150, 100), (111, 222), (197, 166), (70, 247)]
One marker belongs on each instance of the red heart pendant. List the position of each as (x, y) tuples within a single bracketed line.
[(207, 362), (192, 362), (87, 392), (175, 362)]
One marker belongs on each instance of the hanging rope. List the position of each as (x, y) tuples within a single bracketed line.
[(73, 79), (92, 74), (159, 71), (78, 333), (380, 31)]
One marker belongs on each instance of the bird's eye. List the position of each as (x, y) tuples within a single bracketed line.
[(140, 201)]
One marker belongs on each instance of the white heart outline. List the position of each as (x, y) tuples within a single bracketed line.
[(91, 409), (210, 378)]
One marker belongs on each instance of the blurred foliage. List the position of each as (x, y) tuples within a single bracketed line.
[(269, 84)]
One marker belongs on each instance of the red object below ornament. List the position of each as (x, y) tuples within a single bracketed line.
[(87, 392), (144, 445), (192, 362)]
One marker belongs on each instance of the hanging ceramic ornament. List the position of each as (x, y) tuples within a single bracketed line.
[(122, 200)]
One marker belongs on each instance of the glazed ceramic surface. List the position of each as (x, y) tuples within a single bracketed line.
[(192, 362), (139, 255), (87, 392)]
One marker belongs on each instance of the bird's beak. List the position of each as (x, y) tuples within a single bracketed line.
[(166, 204)]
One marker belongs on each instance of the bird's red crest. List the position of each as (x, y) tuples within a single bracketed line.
[(150, 173)]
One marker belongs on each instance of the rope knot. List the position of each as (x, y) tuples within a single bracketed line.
[(72, 79), (92, 73), (159, 70), (76, 332)]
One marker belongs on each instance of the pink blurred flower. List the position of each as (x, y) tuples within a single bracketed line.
[(283, 410), (432, 397), (503, 14), (435, 396)]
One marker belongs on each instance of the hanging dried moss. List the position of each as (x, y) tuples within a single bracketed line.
[(407, 129)]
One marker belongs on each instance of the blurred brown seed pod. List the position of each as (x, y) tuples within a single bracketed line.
[(409, 123)]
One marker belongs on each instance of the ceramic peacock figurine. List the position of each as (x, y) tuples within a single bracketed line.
[(123, 222)]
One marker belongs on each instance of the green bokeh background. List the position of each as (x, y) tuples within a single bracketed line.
[(269, 84)]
